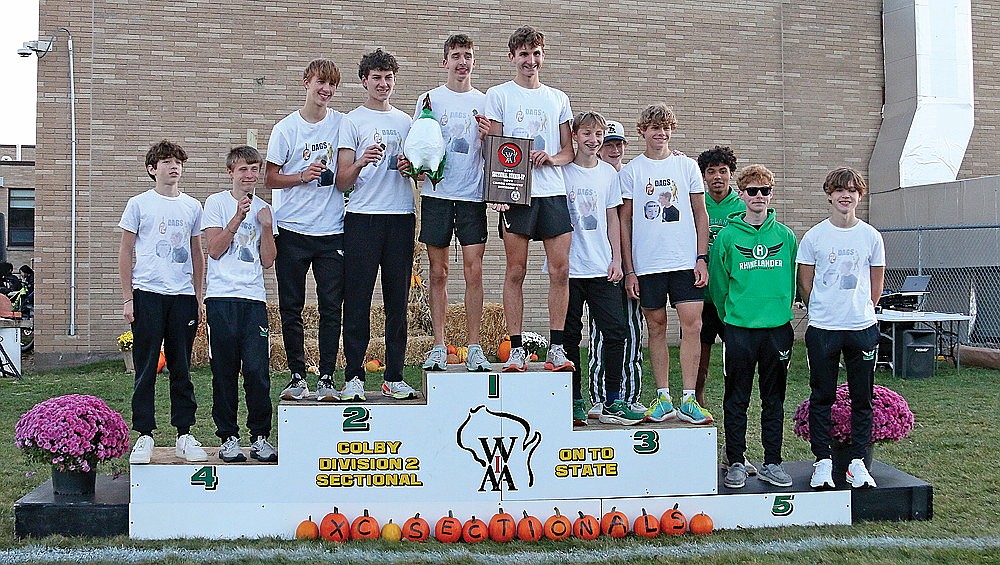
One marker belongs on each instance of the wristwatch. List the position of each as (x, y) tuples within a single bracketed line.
[(703, 258)]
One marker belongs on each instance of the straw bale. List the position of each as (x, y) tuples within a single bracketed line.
[(493, 326), (310, 317), (417, 348)]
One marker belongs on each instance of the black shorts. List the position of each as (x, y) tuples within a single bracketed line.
[(440, 217), (711, 325), (545, 218), (678, 285)]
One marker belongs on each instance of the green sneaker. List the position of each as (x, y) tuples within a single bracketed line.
[(579, 413), (620, 413), (661, 410), (691, 411)]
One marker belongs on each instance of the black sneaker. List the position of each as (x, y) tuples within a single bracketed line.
[(297, 388)]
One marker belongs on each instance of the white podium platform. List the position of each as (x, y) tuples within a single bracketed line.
[(478, 442)]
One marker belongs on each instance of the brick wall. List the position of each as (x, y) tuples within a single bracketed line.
[(795, 86)]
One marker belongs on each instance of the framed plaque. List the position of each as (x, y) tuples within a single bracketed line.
[(507, 176)]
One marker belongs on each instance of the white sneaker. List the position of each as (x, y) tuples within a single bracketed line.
[(189, 449), (263, 451), (517, 362), (354, 391), (142, 451), (822, 476), (398, 390), (638, 407), (230, 451), (858, 475), (596, 410)]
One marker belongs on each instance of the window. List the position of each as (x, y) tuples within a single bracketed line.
[(21, 217)]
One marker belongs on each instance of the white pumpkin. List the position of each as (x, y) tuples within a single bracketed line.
[(424, 146)]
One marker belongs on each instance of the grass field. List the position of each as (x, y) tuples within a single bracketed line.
[(954, 446)]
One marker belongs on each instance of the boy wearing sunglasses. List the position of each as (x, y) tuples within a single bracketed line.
[(752, 283)]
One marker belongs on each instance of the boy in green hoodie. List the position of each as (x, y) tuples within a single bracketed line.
[(752, 283)]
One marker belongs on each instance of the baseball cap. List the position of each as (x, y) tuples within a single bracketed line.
[(614, 132)]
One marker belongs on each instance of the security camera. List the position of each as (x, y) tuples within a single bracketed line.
[(25, 52)]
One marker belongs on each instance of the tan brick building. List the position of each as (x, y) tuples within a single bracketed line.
[(17, 197), (797, 86)]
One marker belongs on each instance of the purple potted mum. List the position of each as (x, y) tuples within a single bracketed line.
[(892, 419), (72, 433)]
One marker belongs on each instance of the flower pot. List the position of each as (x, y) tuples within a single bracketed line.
[(129, 362), (73, 483), (842, 458)]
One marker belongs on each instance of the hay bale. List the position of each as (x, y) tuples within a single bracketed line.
[(417, 348), (492, 329), (418, 319), (377, 320), (274, 317), (310, 317), (199, 351)]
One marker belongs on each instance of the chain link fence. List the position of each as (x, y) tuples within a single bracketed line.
[(964, 264)]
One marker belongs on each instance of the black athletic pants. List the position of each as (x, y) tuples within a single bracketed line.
[(170, 320), (373, 242), (296, 252), (767, 350), (604, 301), (238, 338), (824, 348)]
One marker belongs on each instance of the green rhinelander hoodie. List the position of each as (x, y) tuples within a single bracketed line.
[(752, 273), (718, 217)]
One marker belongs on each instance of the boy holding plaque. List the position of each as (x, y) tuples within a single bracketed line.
[(456, 203), (526, 108)]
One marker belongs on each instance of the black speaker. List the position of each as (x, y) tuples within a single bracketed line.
[(919, 351)]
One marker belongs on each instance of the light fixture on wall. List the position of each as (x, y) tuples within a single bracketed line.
[(41, 48)]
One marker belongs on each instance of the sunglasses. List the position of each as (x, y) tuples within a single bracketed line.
[(755, 190)]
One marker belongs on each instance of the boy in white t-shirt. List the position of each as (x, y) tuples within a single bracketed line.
[(841, 269), (161, 294), (309, 214), (524, 107), (612, 152), (378, 226), (664, 250), (237, 226), (595, 269), (456, 203)]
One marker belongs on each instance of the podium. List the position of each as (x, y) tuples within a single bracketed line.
[(474, 443)]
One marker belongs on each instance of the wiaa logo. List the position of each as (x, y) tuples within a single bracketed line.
[(506, 459), (510, 155)]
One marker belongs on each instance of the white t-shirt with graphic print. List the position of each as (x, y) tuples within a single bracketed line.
[(535, 114), (238, 273), (463, 166), (590, 193), (664, 237), (380, 189), (308, 208), (164, 226), (841, 297)]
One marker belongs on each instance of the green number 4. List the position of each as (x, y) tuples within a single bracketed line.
[(783, 505), (207, 477)]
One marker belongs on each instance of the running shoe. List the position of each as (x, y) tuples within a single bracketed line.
[(579, 413), (475, 360), (662, 409), (326, 390), (517, 362), (354, 391), (437, 359), (230, 451), (297, 388), (398, 390), (858, 475), (556, 359), (263, 451), (775, 474), (822, 476), (691, 411), (619, 412)]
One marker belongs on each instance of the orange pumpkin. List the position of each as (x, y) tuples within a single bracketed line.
[(586, 527), (161, 363), (701, 524), (503, 352), (502, 527), (646, 526), (448, 529), (416, 529), (557, 527), (307, 529), (451, 350), (533, 357), (365, 527), (335, 527), (453, 359), (614, 524), (475, 530), (529, 528), (673, 522)]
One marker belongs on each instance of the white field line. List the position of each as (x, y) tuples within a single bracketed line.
[(356, 553)]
